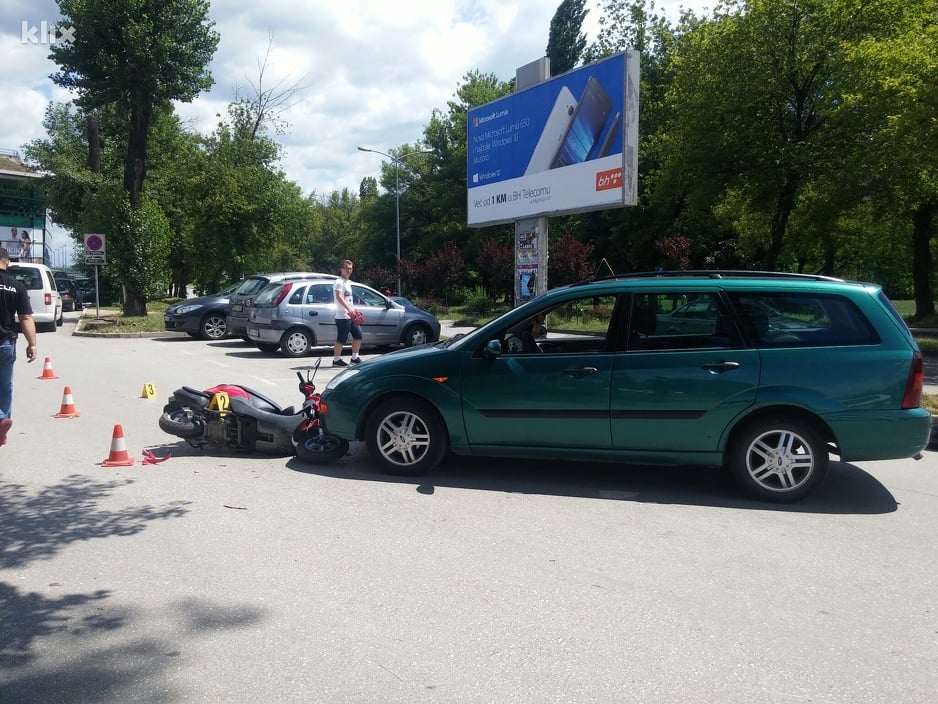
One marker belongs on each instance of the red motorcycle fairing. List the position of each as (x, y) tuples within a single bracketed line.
[(230, 389), (253, 398)]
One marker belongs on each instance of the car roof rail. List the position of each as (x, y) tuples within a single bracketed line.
[(710, 274)]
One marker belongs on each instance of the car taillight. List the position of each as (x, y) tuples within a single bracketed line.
[(47, 299), (280, 296), (913, 388)]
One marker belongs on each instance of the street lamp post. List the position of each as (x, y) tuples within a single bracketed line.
[(397, 200)]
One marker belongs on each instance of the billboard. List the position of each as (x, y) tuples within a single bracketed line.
[(565, 145)]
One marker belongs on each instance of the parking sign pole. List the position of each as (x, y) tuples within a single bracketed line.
[(95, 256)]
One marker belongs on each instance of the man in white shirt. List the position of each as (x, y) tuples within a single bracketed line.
[(345, 318)]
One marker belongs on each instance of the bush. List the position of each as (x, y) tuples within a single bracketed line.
[(479, 302)]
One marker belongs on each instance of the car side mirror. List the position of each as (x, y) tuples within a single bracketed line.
[(493, 348)]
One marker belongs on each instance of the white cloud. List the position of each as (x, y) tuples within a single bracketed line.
[(372, 71)]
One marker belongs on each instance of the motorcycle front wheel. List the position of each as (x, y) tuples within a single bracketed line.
[(179, 422), (320, 449)]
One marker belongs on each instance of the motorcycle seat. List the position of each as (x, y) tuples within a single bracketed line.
[(197, 392)]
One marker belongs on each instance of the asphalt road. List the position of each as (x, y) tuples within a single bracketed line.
[(213, 578)]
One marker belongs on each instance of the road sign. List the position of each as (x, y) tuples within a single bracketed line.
[(94, 250)]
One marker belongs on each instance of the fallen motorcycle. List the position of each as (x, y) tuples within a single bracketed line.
[(239, 418)]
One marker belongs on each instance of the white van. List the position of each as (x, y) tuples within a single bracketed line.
[(43, 294)]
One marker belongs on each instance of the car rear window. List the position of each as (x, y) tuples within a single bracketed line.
[(884, 299), (251, 286), (802, 320), (268, 295), (30, 278)]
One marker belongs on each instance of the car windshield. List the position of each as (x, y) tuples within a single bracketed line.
[(228, 291)]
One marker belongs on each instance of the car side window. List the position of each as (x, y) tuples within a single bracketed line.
[(580, 326), (773, 319), (297, 296), (675, 320), (320, 294), (366, 297)]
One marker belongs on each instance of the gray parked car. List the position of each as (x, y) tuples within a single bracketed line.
[(239, 308), (205, 316), (295, 315)]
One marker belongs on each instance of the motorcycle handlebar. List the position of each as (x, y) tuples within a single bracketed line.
[(306, 385)]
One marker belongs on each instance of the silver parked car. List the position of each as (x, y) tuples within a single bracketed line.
[(295, 315), (240, 302)]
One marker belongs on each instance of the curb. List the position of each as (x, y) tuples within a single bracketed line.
[(85, 333)]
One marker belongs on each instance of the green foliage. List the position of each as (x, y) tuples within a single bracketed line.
[(137, 243), (131, 52), (566, 41), (133, 57), (479, 302)]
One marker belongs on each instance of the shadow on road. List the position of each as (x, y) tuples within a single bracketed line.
[(846, 490), (37, 526)]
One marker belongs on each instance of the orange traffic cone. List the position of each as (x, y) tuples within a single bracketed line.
[(119, 456), (68, 409), (47, 372)]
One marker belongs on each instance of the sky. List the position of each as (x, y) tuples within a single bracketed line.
[(369, 72)]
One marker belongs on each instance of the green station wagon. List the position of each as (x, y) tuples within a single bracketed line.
[(776, 372)]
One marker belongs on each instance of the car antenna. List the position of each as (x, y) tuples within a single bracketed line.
[(606, 262)]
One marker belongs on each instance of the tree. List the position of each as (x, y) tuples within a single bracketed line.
[(565, 42), (570, 260), (496, 262), (232, 190), (443, 268), (266, 104), (891, 75), (756, 119), (439, 195), (626, 237), (135, 55)]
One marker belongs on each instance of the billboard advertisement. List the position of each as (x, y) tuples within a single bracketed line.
[(565, 145)]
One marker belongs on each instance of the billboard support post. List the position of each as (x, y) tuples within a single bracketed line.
[(531, 232)]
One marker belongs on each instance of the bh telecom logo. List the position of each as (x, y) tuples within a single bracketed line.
[(46, 33)]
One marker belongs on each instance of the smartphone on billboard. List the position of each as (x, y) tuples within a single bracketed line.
[(558, 121), (587, 124), (609, 139)]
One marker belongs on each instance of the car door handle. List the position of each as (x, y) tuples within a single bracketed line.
[(581, 372), (719, 367), (313, 313)]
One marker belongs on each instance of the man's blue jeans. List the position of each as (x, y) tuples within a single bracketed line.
[(7, 357)]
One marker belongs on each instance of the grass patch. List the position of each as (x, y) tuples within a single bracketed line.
[(907, 311), (111, 321)]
